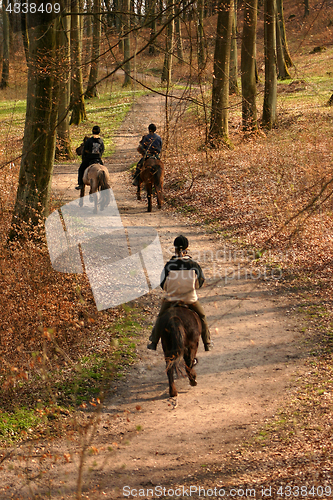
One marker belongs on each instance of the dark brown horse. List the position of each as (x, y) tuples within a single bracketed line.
[(152, 174), (180, 333), (97, 177)]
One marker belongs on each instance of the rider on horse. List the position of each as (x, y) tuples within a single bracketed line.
[(93, 149), (180, 278), (149, 146)]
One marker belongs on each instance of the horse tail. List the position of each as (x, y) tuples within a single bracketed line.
[(175, 333), (105, 187)]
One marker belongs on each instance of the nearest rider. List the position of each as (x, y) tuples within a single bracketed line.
[(149, 146), (93, 149), (180, 278)]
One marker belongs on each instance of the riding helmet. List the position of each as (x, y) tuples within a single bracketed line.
[(152, 128), (181, 242), (96, 130)]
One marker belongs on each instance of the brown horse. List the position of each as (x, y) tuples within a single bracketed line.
[(152, 174), (180, 333), (97, 177)]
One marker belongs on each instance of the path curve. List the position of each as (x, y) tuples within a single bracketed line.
[(241, 382)]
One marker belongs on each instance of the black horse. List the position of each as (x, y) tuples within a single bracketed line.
[(151, 175), (180, 333)]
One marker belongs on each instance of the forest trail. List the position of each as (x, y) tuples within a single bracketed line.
[(241, 382)]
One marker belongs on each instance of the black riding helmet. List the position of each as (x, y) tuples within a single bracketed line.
[(181, 243), (96, 130)]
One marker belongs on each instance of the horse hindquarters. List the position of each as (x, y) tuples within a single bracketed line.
[(172, 338)]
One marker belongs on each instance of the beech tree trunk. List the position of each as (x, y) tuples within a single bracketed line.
[(269, 109), (233, 83), (77, 97), (282, 26), (167, 66), (201, 36), (248, 66), (64, 149), (5, 47), (95, 51), (220, 93), (40, 126), (127, 42), (283, 72), (178, 36), (152, 15)]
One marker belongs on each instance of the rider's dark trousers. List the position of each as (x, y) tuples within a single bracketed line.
[(85, 164), (195, 306)]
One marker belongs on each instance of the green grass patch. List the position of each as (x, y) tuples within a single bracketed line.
[(18, 423)]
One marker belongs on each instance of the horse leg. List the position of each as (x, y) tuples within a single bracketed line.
[(138, 195), (93, 194), (149, 195), (189, 356), (172, 388), (158, 195), (81, 196)]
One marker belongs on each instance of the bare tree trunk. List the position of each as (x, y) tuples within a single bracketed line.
[(95, 51), (77, 98), (201, 36), (233, 83), (64, 149), (248, 66), (178, 36), (220, 94), (306, 8), (152, 15), (40, 127), (283, 72), (269, 109), (25, 37), (167, 66), (280, 16), (5, 47), (127, 42)]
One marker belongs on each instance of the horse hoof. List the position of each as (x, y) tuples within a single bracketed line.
[(193, 383), (138, 197)]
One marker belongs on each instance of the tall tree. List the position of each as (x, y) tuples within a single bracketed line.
[(152, 17), (282, 26), (95, 51), (63, 133), (178, 36), (40, 124), (220, 92), (127, 41), (5, 47), (77, 97), (306, 8), (270, 97), (248, 66), (201, 36), (283, 72), (167, 66), (233, 83)]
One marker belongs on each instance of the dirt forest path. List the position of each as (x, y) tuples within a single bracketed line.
[(241, 382)]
